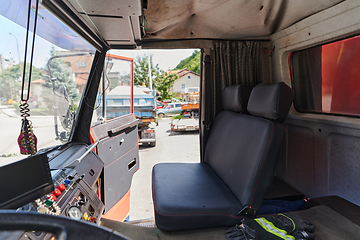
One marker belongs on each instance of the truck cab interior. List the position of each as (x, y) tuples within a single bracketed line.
[(300, 58)]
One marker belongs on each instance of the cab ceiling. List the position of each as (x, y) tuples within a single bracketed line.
[(120, 22), (226, 19)]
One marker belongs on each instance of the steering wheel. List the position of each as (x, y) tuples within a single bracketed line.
[(63, 227)]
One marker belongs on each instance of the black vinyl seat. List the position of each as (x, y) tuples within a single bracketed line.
[(239, 164)]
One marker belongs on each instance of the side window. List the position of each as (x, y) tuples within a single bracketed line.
[(113, 98), (326, 78), (170, 106), (178, 105)]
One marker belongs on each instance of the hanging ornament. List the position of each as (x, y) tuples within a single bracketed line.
[(27, 140)]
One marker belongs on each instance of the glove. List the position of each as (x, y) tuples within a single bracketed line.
[(298, 227), (296, 222), (240, 232), (294, 225), (281, 227), (303, 235), (266, 230)]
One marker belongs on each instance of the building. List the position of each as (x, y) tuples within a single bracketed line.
[(2, 63), (188, 81), (80, 67), (36, 97)]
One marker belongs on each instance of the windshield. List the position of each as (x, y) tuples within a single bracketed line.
[(61, 65)]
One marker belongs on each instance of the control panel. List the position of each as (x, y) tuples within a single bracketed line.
[(74, 193)]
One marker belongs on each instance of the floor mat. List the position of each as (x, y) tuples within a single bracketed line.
[(144, 223), (342, 206), (136, 232), (330, 224)]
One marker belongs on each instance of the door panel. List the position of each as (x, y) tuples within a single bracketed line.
[(117, 136), (300, 138), (323, 156), (118, 147)]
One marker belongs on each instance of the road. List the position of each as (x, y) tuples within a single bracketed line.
[(10, 125), (170, 147)]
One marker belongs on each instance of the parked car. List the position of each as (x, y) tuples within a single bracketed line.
[(170, 109), (160, 104)]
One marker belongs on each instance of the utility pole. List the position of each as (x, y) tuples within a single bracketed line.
[(150, 77), (17, 45), (11, 94)]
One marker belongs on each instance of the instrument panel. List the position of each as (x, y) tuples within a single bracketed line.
[(75, 171)]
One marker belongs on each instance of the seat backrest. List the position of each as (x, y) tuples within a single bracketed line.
[(235, 98), (244, 150)]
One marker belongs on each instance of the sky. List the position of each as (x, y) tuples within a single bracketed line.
[(8, 43), (166, 59)]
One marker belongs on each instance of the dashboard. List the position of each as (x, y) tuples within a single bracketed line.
[(60, 181)]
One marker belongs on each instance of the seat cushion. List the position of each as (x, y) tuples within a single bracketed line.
[(191, 196)]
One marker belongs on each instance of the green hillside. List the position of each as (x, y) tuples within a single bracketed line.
[(192, 63)]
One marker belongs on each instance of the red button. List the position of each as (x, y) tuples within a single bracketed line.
[(51, 197), (61, 187), (57, 192)]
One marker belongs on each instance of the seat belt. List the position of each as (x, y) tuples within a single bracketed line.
[(208, 102)]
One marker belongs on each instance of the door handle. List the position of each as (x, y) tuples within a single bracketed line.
[(122, 127)]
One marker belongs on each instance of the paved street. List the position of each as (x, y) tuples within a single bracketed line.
[(170, 147), (10, 124)]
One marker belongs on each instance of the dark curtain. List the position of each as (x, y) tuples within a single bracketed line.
[(307, 79), (235, 62)]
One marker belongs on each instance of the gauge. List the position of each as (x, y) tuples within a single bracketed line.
[(74, 212), (42, 209)]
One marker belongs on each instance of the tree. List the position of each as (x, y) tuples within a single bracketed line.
[(60, 71), (141, 71), (125, 79), (162, 82), (165, 85), (192, 63), (10, 80)]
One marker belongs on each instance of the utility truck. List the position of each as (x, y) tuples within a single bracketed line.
[(118, 104), (191, 106)]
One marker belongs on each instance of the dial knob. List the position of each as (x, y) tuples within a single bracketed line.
[(51, 197), (57, 192), (61, 187)]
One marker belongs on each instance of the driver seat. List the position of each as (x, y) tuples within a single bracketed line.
[(239, 163)]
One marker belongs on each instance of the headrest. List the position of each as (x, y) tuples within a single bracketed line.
[(271, 101), (235, 98)]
